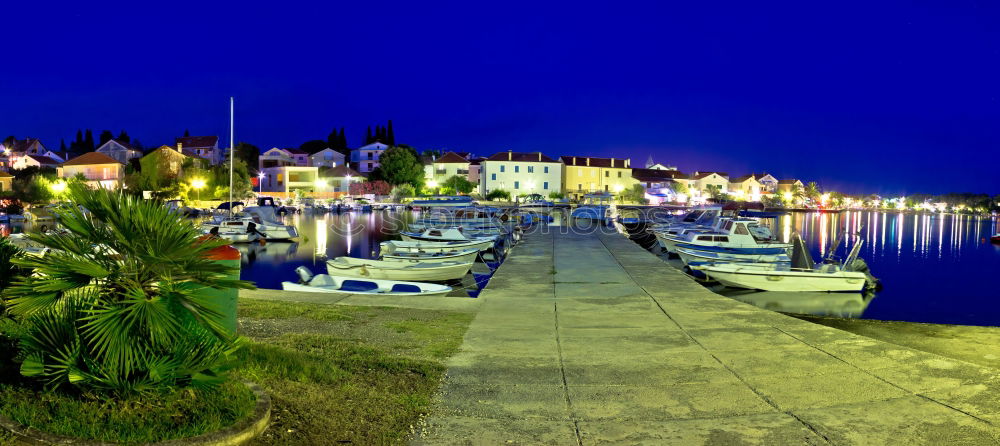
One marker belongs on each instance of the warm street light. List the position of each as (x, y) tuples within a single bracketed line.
[(197, 184), (320, 183), (432, 184), (260, 182), (59, 186), (619, 188)]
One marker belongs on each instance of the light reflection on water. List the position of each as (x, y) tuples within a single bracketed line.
[(934, 268)]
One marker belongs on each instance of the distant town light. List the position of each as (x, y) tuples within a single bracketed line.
[(198, 183), (59, 186), (619, 188), (321, 183), (787, 196), (431, 184)]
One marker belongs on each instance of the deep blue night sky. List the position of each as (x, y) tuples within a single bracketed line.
[(892, 98)]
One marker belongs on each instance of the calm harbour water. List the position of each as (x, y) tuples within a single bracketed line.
[(934, 268), (325, 236)]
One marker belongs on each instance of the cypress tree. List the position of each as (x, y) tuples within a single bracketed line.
[(186, 133), (88, 143), (123, 137), (343, 140), (332, 140), (62, 146), (368, 137), (390, 137), (106, 136)]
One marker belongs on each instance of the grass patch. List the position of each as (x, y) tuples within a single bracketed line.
[(341, 374), (177, 414)]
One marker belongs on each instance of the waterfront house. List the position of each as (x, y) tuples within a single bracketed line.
[(6, 182), (169, 162), (586, 175), (365, 158), (121, 151), (520, 173), (787, 185), (24, 161), (11, 156), (474, 168), (289, 178), (746, 187), (338, 179), (98, 170), (768, 183), (450, 164), (700, 182), (326, 158), (661, 185), (206, 147), (275, 157), (299, 157)]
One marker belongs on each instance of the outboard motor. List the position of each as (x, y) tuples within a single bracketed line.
[(304, 275)]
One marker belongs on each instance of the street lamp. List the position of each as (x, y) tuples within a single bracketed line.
[(59, 187), (197, 184), (260, 182)]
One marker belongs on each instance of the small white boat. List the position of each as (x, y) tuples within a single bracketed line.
[(262, 219), (27, 245), (426, 246), (800, 275), (381, 269), (445, 235), (463, 255), (692, 257), (324, 283)]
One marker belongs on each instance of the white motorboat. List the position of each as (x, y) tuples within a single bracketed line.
[(324, 283), (801, 275), (381, 269), (445, 235), (263, 219), (464, 255), (734, 237), (693, 257), (595, 207), (27, 245), (427, 246)]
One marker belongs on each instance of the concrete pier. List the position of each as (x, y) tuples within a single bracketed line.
[(589, 339)]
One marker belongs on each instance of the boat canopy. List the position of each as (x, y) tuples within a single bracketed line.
[(225, 205), (800, 255)]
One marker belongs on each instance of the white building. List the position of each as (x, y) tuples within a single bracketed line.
[(326, 158), (122, 152), (204, 146), (520, 174), (289, 178), (339, 179), (366, 157)]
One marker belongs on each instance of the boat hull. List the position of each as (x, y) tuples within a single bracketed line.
[(762, 279), (435, 246), (374, 269), (439, 290)]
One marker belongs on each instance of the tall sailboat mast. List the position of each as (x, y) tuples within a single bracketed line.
[(232, 155)]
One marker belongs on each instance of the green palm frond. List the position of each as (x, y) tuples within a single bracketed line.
[(120, 303)]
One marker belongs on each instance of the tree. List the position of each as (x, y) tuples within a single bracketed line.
[(680, 188), (498, 195), (368, 136), (399, 165), (812, 191), (247, 152), (390, 137), (459, 184), (123, 137), (634, 194), (715, 191), (556, 195), (62, 146), (400, 192), (797, 193), (106, 136), (139, 321), (88, 142), (314, 146), (186, 133)]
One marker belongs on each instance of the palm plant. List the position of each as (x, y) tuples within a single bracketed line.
[(797, 193), (119, 305), (812, 191)]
